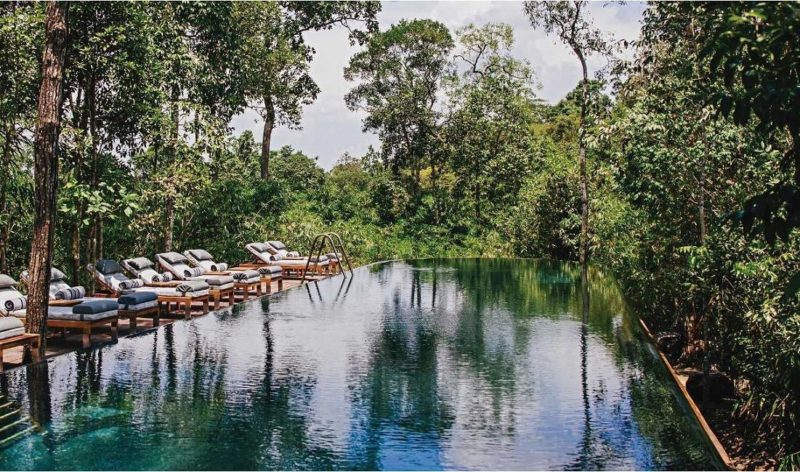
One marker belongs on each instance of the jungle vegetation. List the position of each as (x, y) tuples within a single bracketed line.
[(678, 170)]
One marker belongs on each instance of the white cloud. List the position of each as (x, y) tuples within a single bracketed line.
[(330, 129)]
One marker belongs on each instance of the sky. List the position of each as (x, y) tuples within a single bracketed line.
[(330, 129)]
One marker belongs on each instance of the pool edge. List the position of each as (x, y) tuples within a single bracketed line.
[(712, 438)]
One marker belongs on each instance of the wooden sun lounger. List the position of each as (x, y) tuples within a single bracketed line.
[(86, 326), (214, 294), (245, 289), (163, 300), (266, 280), (25, 339)]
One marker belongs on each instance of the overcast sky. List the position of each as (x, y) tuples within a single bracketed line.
[(330, 129)]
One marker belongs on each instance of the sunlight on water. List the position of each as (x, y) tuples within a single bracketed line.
[(456, 364)]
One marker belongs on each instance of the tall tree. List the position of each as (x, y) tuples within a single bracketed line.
[(275, 60), (488, 125), (570, 21), (400, 74), (48, 128)]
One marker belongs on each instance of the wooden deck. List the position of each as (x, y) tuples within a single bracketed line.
[(57, 345)]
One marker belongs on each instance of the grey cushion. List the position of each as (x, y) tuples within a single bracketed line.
[(95, 306), (201, 255), (173, 257), (108, 267), (65, 313), (191, 286), (136, 298), (277, 245), (140, 263), (7, 322), (10, 333), (218, 280), (6, 281), (56, 274), (139, 306), (260, 247)]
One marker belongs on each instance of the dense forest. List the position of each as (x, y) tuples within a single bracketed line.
[(678, 170)]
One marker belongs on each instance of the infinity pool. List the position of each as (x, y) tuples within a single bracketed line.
[(455, 364)]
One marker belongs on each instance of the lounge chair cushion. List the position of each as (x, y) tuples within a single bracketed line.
[(173, 257), (70, 293), (7, 323), (68, 313), (140, 263), (246, 275), (95, 306), (56, 274), (191, 286), (6, 281), (271, 271), (217, 281), (277, 245), (136, 301), (135, 298), (108, 267), (10, 327), (201, 255), (260, 247)]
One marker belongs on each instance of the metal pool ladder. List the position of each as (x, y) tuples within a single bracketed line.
[(14, 424), (336, 243)]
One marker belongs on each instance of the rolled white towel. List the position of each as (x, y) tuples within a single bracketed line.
[(71, 293), (193, 272), (15, 304), (131, 284)]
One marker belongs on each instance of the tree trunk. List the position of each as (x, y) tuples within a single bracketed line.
[(169, 221), (45, 152), (584, 238), (266, 138)]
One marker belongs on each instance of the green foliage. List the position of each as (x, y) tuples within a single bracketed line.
[(702, 130)]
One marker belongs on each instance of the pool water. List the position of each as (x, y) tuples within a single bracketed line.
[(430, 364)]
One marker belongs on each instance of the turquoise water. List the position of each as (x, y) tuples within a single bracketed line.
[(454, 364)]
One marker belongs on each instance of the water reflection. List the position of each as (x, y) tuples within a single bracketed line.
[(466, 363)]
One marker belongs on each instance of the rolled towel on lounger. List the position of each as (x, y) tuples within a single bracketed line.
[(247, 274), (271, 271), (220, 267), (15, 304), (275, 257), (166, 277), (292, 254), (70, 293), (131, 284), (193, 272), (191, 286)]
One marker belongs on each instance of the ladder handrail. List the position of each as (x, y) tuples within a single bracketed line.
[(319, 243)]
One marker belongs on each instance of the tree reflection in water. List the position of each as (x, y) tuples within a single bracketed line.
[(429, 364)]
